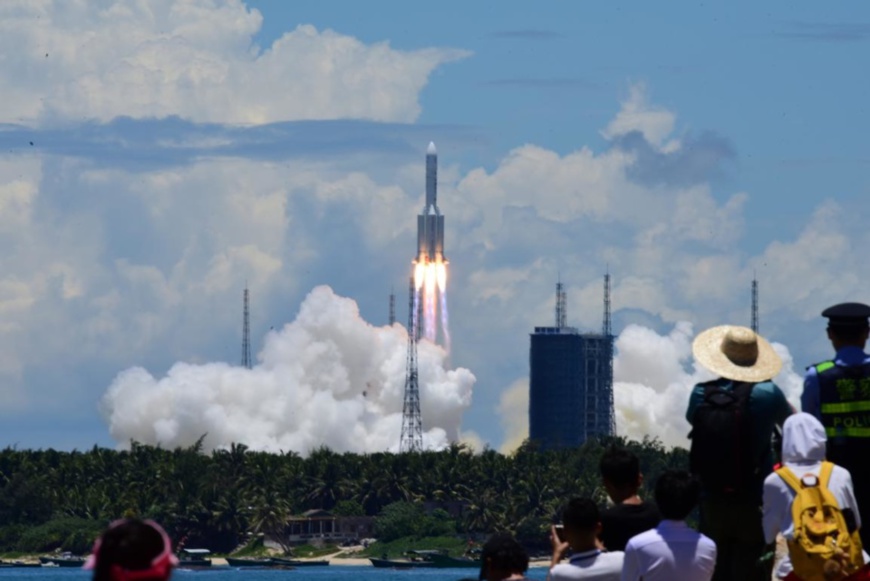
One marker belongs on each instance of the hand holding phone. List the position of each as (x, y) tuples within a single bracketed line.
[(557, 539)]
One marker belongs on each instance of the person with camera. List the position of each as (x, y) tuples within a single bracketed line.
[(581, 525)]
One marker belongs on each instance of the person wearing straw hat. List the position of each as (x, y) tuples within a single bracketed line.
[(837, 392), (733, 419)]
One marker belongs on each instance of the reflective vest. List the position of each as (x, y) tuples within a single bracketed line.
[(844, 394)]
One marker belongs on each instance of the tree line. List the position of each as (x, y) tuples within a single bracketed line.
[(51, 499)]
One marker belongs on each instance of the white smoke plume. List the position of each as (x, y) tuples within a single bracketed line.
[(328, 378), (652, 382)]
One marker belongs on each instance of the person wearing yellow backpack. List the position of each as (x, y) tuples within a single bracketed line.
[(812, 503)]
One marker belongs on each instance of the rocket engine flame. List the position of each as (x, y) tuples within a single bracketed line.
[(445, 327), (430, 281), (441, 275), (419, 275)]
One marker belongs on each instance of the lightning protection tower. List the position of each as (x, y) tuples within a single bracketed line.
[(607, 331), (412, 422), (246, 332), (754, 324), (561, 306)]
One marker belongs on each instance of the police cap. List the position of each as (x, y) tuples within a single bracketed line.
[(853, 315)]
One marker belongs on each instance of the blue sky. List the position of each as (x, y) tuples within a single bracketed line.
[(154, 159)]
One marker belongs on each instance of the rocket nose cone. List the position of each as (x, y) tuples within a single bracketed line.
[(431, 149)]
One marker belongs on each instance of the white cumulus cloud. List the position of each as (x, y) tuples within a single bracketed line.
[(327, 378), (637, 114), (196, 59)]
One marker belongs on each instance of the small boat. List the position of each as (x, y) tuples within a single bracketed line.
[(297, 563), (399, 563), (193, 563), (194, 559), (442, 561), (18, 564), (249, 562), (64, 560)]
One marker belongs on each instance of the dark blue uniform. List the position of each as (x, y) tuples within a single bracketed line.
[(837, 392)]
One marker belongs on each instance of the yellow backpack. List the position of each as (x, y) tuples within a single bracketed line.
[(822, 548)]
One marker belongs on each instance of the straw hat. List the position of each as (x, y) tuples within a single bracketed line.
[(736, 353)]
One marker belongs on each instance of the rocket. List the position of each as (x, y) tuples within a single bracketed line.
[(430, 224), (430, 265)]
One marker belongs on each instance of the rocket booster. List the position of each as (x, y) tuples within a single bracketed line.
[(430, 224)]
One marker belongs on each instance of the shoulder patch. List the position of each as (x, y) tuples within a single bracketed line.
[(824, 366)]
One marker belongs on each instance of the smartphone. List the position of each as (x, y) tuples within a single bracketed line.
[(560, 532)]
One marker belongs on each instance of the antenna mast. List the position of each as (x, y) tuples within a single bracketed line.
[(246, 332), (606, 327), (754, 304), (412, 423), (607, 331), (561, 306)]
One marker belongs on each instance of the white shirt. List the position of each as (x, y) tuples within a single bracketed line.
[(803, 449), (591, 565), (670, 551)]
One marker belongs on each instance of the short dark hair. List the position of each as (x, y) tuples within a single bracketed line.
[(619, 466), (581, 514), (502, 552), (848, 332), (677, 493)]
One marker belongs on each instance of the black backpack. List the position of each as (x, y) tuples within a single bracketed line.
[(722, 455)]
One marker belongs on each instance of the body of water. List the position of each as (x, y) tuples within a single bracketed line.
[(331, 573)]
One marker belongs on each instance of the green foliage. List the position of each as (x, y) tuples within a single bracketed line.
[(348, 508), (21, 501), (406, 519), (10, 534), (72, 534), (437, 524), (397, 548), (400, 519), (255, 548), (312, 552), (216, 500)]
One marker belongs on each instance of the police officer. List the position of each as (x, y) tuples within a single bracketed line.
[(837, 392)]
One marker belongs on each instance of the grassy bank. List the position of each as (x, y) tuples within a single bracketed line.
[(397, 548)]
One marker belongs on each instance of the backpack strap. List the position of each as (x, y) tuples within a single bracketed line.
[(825, 473), (795, 484), (789, 477)]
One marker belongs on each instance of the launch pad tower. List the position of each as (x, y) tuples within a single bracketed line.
[(412, 422), (571, 380)]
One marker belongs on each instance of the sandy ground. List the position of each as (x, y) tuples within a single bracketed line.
[(350, 561)]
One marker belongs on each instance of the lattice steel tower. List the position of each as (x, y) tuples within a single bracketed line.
[(754, 324), (246, 333), (412, 421), (561, 306), (392, 308), (607, 331)]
